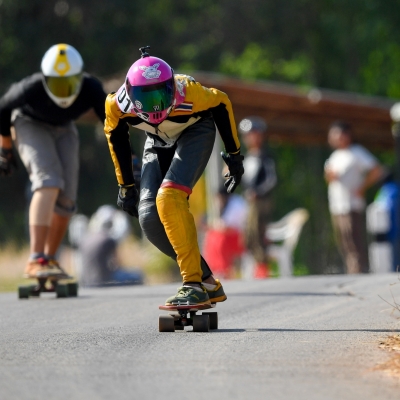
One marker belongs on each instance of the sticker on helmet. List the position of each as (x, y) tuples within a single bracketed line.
[(151, 72), (144, 116), (179, 86), (156, 107), (138, 104)]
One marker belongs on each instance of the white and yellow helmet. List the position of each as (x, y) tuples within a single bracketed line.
[(62, 67)]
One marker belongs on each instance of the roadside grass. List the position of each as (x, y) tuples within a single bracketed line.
[(132, 253), (12, 264), (298, 269), (392, 342), (392, 366)]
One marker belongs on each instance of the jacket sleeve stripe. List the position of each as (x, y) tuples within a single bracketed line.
[(117, 134)]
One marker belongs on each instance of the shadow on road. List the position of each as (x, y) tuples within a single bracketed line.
[(252, 330), (252, 294), (329, 330)]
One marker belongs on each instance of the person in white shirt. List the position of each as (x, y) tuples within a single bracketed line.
[(350, 171)]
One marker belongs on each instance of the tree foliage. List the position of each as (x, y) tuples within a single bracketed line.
[(334, 44)]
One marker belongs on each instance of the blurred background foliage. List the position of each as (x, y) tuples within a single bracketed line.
[(337, 44), (343, 45)]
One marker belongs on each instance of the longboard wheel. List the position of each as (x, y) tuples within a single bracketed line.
[(166, 323), (213, 316), (34, 291), (201, 323), (61, 290), (23, 292), (179, 327), (73, 289)]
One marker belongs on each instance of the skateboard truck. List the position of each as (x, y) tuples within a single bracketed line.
[(186, 315), (49, 284)]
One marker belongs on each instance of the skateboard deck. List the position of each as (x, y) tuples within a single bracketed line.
[(186, 315), (61, 285)]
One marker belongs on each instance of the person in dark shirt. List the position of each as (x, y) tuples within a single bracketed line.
[(42, 109), (258, 181)]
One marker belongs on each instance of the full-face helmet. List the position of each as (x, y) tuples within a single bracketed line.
[(62, 67), (151, 87)]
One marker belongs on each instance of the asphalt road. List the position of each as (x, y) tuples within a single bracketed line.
[(299, 338)]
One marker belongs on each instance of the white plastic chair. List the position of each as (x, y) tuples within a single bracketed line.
[(284, 236), (380, 253)]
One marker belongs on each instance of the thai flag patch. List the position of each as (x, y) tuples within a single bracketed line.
[(184, 107)]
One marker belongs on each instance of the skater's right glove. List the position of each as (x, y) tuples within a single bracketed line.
[(7, 159), (128, 197)]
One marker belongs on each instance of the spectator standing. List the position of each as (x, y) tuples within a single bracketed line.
[(350, 171), (258, 181)]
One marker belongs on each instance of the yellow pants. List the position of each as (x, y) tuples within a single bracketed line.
[(173, 209)]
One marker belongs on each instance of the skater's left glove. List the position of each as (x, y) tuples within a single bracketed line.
[(236, 170), (128, 197), (7, 159)]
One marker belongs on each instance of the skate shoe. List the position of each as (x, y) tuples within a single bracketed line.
[(188, 296), (217, 295), (39, 268), (56, 267)]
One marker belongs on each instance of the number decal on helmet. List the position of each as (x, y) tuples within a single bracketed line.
[(124, 102)]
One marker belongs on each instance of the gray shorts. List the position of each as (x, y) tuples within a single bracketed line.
[(51, 157)]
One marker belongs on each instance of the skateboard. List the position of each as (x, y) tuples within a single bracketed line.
[(186, 315), (62, 286)]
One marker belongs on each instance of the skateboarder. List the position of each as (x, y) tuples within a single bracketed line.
[(45, 105), (179, 116)]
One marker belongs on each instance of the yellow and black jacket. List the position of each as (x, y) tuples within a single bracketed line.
[(193, 101)]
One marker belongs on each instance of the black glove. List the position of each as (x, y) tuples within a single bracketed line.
[(236, 170), (7, 159), (128, 197)]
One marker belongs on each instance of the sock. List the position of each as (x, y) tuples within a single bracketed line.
[(35, 256), (197, 288), (209, 286)]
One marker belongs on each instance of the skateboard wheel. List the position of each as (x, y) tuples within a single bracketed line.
[(179, 327), (166, 323), (201, 323), (34, 291), (62, 290), (23, 292), (73, 289), (213, 316)]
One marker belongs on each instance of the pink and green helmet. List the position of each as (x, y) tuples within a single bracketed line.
[(151, 87)]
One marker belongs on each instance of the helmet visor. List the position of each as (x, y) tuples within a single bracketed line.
[(152, 98), (64, 86)]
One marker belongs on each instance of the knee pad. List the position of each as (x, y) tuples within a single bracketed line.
[(64, 206), (147, 215), (153, 229), (42, 206)]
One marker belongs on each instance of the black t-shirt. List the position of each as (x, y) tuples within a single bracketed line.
[(29, 95), (259, 174)]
